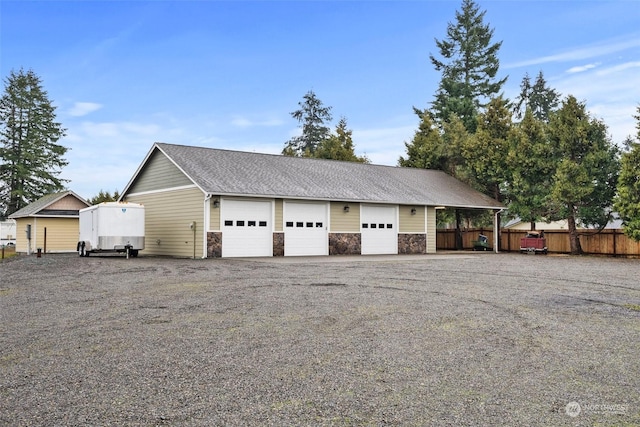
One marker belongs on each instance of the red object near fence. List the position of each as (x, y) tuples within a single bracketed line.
[(534, 242)]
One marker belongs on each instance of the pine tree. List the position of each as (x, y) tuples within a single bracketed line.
[(312, 116), (486, 151), (584, 182), (339, 146), (469, 66), (427, 149), (539, 98), (532, 164), (628, 199), (104, 196), (30, 156)]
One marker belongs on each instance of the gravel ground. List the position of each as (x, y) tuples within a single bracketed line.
[(445, 340)]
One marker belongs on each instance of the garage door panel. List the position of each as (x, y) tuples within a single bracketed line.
[(305, 229), (246, 228), (379, 230)]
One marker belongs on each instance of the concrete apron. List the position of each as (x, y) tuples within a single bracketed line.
[(328, 259)]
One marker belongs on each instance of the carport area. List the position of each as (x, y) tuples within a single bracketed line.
[(448, 339)]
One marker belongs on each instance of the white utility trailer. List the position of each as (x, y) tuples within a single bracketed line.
[(112, 227)]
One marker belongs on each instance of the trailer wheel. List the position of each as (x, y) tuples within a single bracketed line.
[(133, 253)]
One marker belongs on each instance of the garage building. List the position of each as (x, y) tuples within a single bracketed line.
[(53, 223), (204, 202)]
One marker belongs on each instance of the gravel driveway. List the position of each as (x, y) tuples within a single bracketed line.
[(444, 340)]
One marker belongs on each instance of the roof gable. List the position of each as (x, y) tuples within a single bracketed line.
[(226, 172), (66, 203), (157, 172)]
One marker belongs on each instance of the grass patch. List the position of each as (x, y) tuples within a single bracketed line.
[(7, 253), (634, 307)]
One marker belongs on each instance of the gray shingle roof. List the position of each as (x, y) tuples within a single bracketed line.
[(225, 172), (43, 203)]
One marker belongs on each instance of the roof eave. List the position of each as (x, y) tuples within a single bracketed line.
[(346, 200)]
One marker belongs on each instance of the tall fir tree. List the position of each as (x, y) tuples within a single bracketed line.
[(30, 157), (469, 64), (313, 117), (628, 198)]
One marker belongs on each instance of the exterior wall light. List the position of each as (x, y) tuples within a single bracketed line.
[(413, 211), (216, 203), (346, 208)]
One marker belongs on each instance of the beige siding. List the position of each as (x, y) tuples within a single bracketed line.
[(21, 236), (214, 218), (431, 230), (277, 220), (344, 222), (68, 203), (167, 218), (412, 223), (159, 173), (555, 225), (62, 234)]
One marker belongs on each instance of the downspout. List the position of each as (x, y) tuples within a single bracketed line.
[(207, 221), (496, 229)]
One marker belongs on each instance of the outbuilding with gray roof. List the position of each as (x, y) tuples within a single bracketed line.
[(50, 223), (205, 202)]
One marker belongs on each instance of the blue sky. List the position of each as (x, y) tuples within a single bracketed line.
[(124, 74)]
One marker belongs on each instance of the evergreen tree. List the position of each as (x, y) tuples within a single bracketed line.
[(104, 196), (532, 164), (339, 146), (628, 199), (539, 98), (469, 66), (312, 116), (486, 151), (584, 182), (455, 136), (437, 148), (30, 156), (427, 149)]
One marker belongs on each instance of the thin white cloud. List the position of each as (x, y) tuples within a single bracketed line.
[(109, 152), (80, 109), (244, 122), (607, 94), (582, 53), (582, 68), (618, 68), (383, 146), (241, 122)]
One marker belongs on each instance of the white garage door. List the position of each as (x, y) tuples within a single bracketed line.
[(379, 229), (305, 229), (246, 228)]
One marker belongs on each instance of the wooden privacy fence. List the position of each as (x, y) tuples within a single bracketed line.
[(608, 242)]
